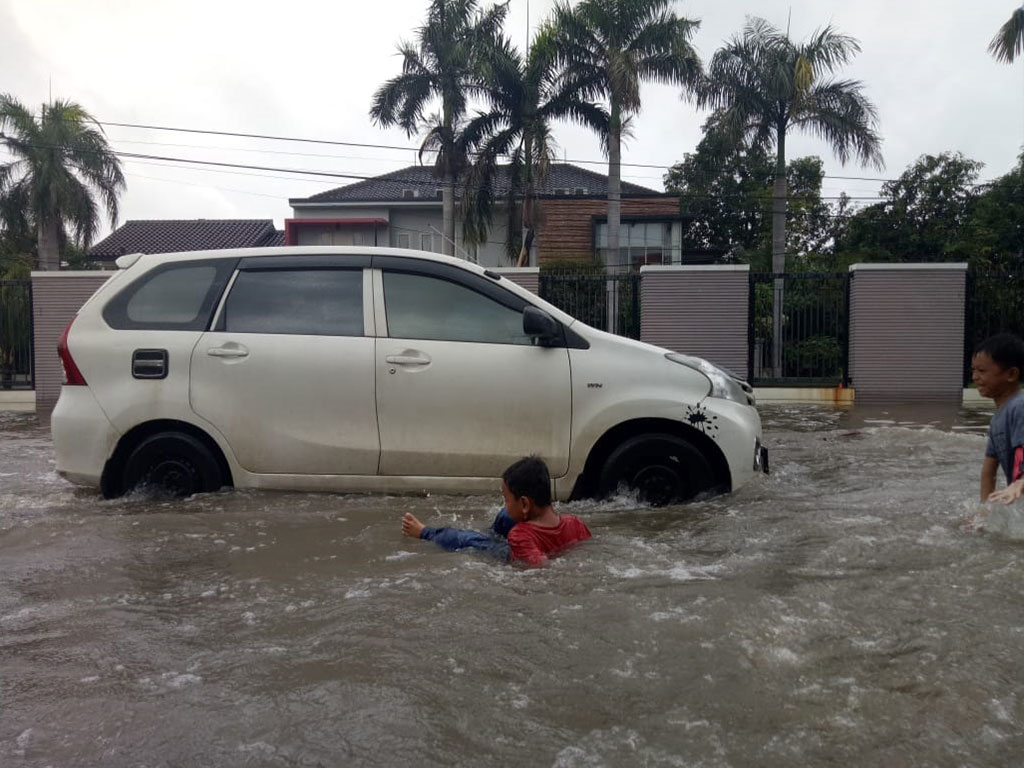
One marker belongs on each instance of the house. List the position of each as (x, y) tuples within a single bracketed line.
[(171, 235), (402, 209)]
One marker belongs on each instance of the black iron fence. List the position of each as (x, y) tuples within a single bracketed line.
[(812, 348), (994, 304), (610, 302), (16, 360)]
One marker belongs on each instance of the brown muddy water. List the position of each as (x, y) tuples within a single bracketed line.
[(843, 611)]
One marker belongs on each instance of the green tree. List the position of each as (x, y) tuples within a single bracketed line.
[(1009, 40), (725, 193), (62, 164), (608, 48), (723, 190), (442, 65), (762, 84), (525, 95), (996, 226), (927, 214)]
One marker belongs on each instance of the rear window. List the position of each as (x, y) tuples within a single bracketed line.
[(179, 296), (310, 302)]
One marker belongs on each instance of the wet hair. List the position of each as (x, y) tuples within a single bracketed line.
[(529, 477), (1005, 349)]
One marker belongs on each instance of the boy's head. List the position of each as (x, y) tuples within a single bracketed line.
[(526, 486), (997, 365)]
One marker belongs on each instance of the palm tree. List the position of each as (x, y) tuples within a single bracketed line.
[(440, 65), (608, 47), (62, 161), (1009, 40), (761, 85), (525, 94)]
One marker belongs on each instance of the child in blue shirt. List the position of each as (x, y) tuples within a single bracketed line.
[(996, 370)]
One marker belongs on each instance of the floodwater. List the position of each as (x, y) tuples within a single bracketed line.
[(843, 611)]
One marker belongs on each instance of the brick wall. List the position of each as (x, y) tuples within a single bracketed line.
[(565, 229)]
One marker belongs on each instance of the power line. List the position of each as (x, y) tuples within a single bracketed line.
[(369, 145)]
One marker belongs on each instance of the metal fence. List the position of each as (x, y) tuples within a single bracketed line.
[(994, 304), (814, 339), (16, 357), (607, 301)]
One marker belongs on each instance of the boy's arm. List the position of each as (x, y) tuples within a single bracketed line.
[(1014, 490), (989, 468)]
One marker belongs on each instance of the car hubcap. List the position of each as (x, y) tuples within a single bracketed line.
[(173, 476), (658, 485)]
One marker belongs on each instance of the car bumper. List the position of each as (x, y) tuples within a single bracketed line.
[(737, 432), (760, 457), (83, 437)]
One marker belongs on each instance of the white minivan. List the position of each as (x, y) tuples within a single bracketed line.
[(377, 370)]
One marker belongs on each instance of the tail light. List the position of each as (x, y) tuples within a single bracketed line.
[(72, 376)]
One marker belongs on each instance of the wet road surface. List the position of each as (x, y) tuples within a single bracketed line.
[(843, 611)]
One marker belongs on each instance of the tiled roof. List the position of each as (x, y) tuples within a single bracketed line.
[(170, 235), (562, 179)]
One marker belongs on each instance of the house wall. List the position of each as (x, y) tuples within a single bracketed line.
[(565, 229), (341, 212), (907, 331), (56, 299), (698, 310)]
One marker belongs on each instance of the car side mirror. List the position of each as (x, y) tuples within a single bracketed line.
[(538, 324)]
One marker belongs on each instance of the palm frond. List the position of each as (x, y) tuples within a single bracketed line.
[(1009, 40)]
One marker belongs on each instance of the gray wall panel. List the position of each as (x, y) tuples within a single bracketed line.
[(56, 298), (525, 277), (907, 333), (699, 312)]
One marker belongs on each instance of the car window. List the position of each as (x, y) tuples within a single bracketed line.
[(312, 302), (178, 296), (421, 307)]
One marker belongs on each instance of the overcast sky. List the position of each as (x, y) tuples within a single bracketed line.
[(309, 69)]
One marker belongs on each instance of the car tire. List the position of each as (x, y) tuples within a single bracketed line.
[(172, 464), (661, 468)]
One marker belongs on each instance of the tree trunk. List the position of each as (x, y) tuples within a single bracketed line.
[(614, 187), (527, 228), (778, 250), (48, 246), (448, 214), (613, 259)]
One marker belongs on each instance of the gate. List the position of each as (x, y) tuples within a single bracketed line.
[(813, 346), (994, 303), (16, 360), (610, 302)]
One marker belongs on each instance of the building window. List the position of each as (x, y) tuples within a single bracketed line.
[(641, 243), (402, 240)]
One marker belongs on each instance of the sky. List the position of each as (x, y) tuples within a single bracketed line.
[(309, 69)]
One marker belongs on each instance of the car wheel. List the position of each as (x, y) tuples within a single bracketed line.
[(661, 468), (173, 464)]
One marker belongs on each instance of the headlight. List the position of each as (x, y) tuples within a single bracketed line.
[(722, 384)]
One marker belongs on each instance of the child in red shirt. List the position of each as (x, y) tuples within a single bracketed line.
[(539, 532)]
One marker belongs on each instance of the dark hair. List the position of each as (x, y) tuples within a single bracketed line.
[(529, 477), (1005, 349)]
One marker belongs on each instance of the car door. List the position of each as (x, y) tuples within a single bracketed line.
[(287, 374), (461, 390)]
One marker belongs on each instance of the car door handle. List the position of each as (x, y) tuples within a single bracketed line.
[(407, 359), (228, 352)]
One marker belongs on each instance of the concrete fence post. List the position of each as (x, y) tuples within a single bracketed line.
[(56, 299), (907, 331), (698, 309)]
